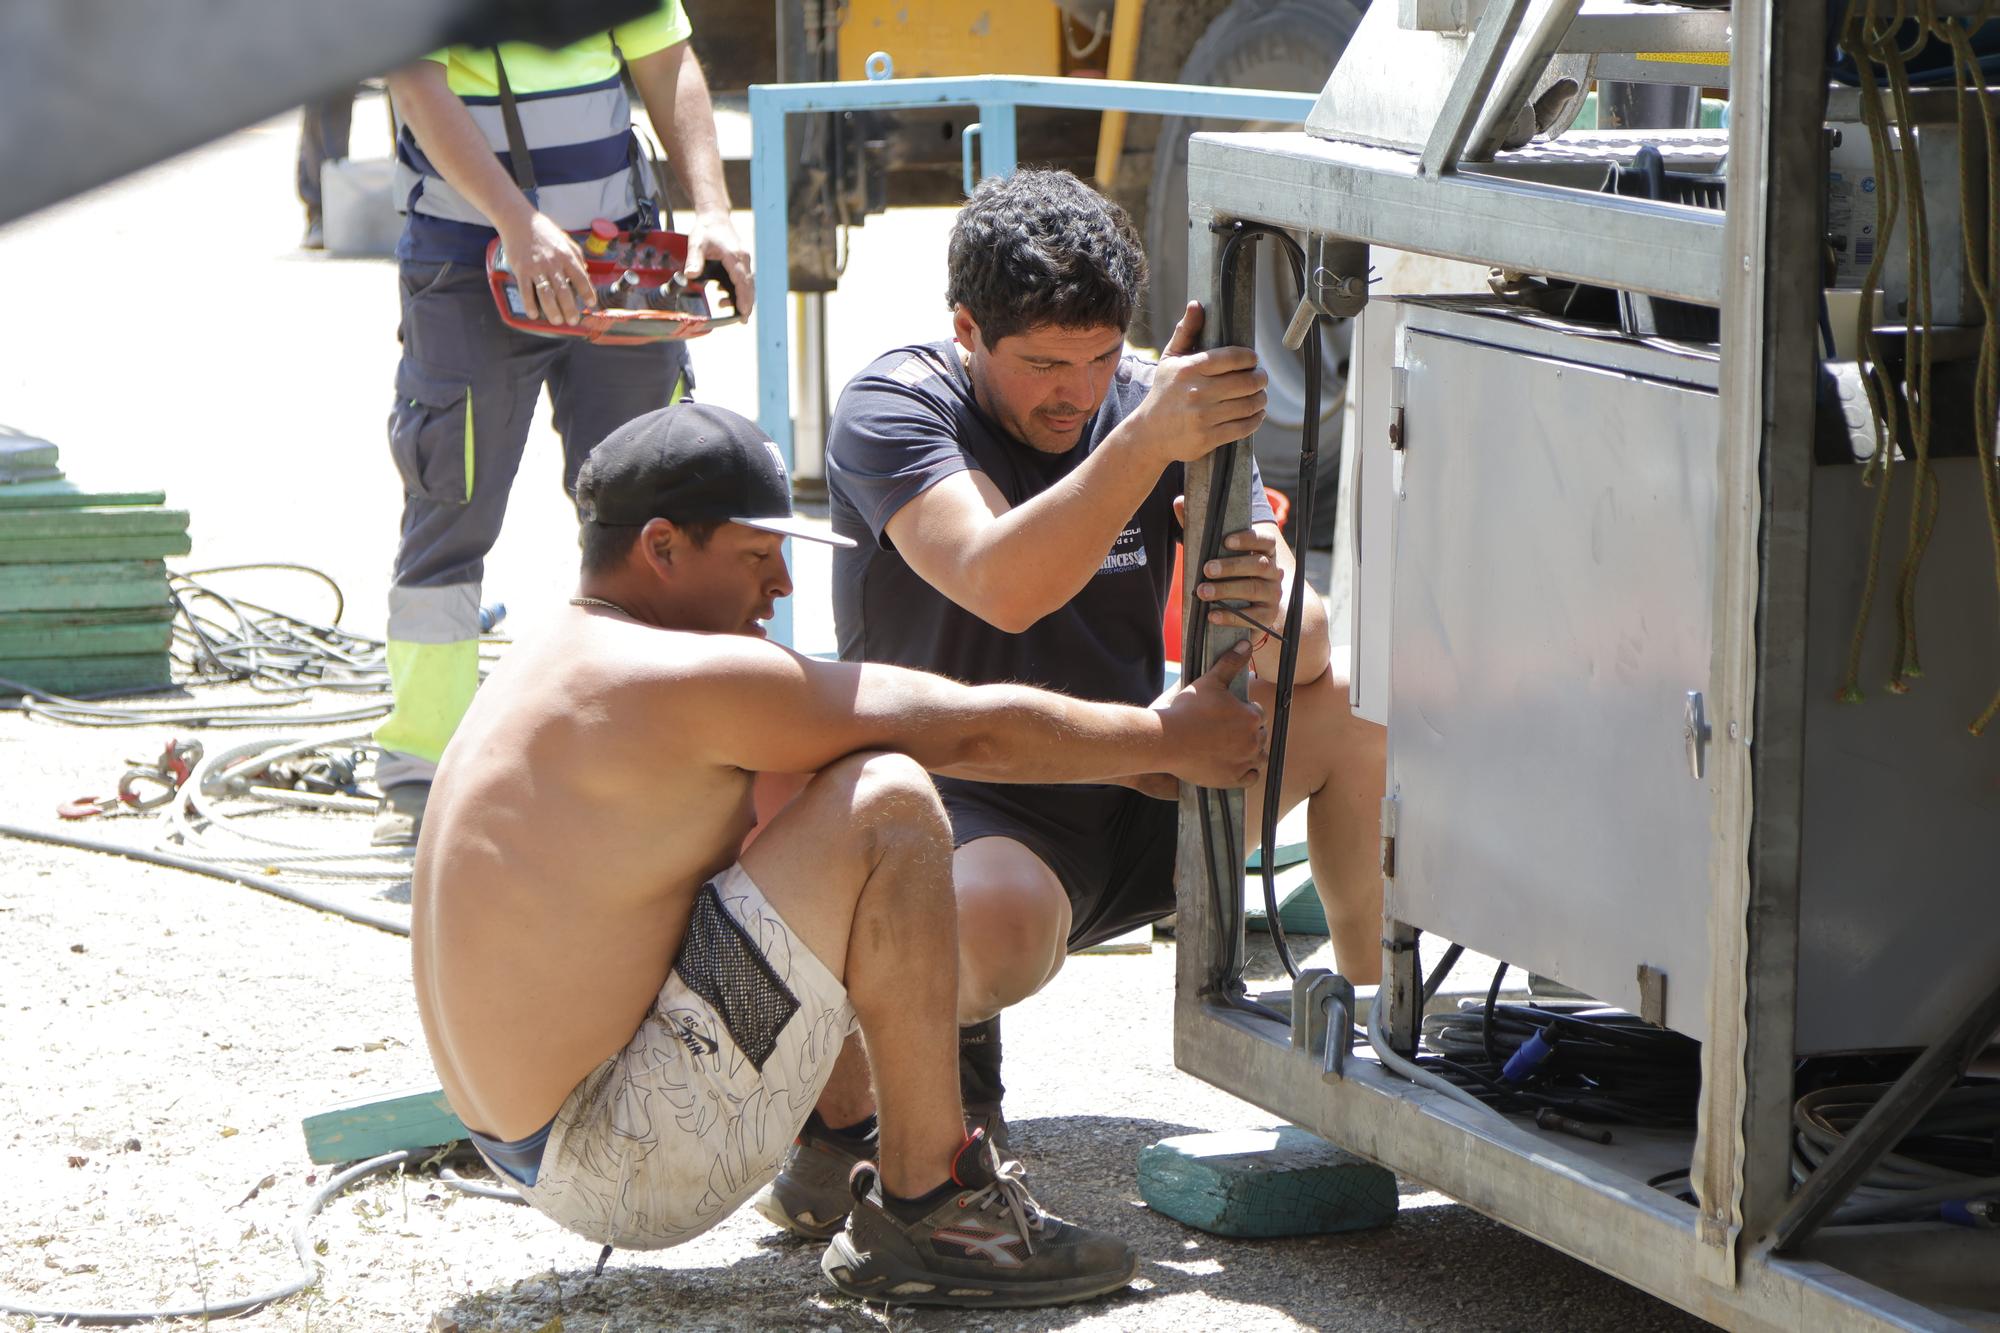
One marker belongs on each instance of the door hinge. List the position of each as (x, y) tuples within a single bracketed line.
[(1389, 811)]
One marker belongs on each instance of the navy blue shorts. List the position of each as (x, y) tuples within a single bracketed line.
[(1112, 847)]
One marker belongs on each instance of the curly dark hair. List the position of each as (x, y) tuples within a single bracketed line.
[(1042, 249)]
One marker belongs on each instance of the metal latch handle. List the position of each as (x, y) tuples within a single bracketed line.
[(1698, 733)]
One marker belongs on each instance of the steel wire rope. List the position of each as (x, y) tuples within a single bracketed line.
[(1869, 45), (1983, 273)]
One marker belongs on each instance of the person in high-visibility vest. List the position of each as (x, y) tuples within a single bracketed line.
[(467, 386)]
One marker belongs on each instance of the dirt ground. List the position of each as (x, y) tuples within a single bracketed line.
[(164, 1034)]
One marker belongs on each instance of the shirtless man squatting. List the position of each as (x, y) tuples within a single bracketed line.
[(635, 1010)]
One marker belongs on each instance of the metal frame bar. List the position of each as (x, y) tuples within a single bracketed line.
[(1378, 195), (1529, 63), (1741, 1170), (1629, 29), (997, 96), (1469, 91)]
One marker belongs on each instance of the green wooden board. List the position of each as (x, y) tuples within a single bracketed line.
[(90, 521), (1288, 854), (89, 585), (61, 494), (65, 550), (420, 1119), (1300, 911), (78, 617), (24, 458), (18, 641), (1281, 1182), (88, 675)]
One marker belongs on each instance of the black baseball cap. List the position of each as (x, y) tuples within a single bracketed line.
[(691, 463)]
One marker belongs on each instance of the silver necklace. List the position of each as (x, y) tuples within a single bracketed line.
[(599, 601)]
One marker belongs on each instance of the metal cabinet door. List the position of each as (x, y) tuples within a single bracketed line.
[(1555, 535)]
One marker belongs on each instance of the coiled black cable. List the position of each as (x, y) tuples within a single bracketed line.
[(1603, 1065)]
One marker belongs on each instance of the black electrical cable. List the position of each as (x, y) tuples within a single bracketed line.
[(1602, 1064), (1486, 1029), (1441, 971), (1195, 629)]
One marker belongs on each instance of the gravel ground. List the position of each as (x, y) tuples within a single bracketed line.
[(164, 1034)]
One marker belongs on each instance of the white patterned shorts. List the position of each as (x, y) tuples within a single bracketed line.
[(667, 1138)]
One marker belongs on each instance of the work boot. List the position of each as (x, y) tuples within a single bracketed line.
[(978, 1240), (401, 816), (979, 1085), (810, 1197)]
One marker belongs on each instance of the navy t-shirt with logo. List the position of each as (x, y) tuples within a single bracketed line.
[(907, 422)]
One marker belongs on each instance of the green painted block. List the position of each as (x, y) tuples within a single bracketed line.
[(90, 521), (74, 617), (66, 550), (421, 1119), (87, 675), (90, 585), (72, 640), (24, 458), (61, 494), (1300, 911), (1285, 854), (1270, 1182)]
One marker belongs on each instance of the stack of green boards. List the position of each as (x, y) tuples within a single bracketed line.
[(83, 578)]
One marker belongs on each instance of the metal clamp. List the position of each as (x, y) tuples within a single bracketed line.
[(1330, 291), (1323, 1019)]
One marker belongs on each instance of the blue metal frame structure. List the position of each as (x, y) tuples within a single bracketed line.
[(997, 96)]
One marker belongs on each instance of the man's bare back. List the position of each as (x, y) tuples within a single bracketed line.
[(563, 849)]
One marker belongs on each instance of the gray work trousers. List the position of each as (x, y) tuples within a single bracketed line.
[(466, 392)]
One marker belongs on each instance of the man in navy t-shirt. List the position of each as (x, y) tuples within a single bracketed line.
[(1012, 495)]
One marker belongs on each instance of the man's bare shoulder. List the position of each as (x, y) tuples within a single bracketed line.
[(609, 655)]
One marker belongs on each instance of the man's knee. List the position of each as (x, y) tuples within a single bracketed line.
[(1323, 734), (886, 797), (1013, 916)]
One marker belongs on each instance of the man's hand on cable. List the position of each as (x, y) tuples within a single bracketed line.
[(555, 286), (1199, 400), (1220, 739), (1247, 577), (715, 238)]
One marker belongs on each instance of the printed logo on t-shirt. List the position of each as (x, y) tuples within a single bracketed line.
[(1128, 552), (913, 371)]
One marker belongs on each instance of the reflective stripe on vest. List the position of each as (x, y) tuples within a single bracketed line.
[(580, 140)]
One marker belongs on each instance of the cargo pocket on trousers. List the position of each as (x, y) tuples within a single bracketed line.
[(430, 435), (720, 963)]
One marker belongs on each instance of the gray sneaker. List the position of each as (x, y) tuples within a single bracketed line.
[(988, 1244), (401, 816), (810, 1197)]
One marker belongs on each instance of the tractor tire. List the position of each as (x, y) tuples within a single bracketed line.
[(1291, 45)]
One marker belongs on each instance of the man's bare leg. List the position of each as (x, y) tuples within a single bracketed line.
[(1014, 907), (1336, 763), (859, 865)]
